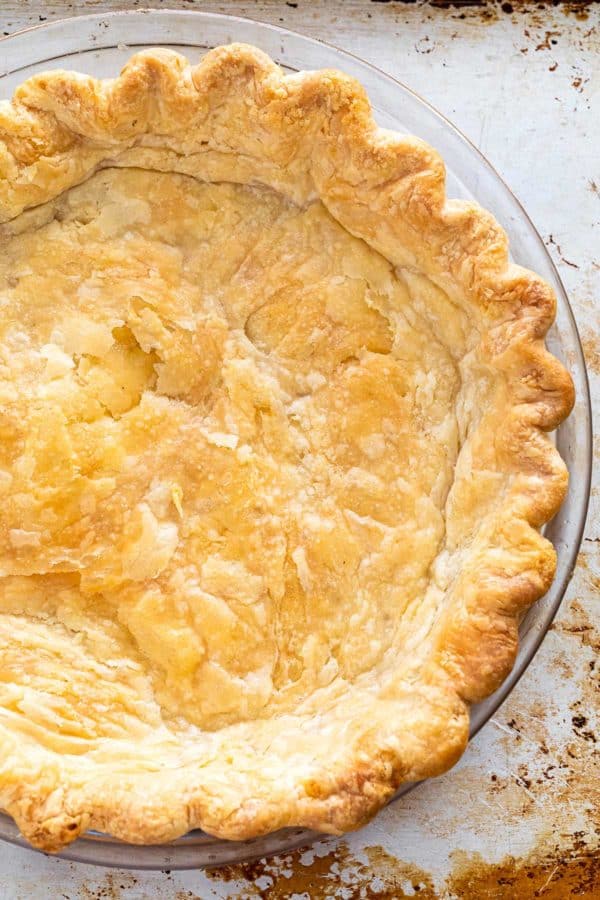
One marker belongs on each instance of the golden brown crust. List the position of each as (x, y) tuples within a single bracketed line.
[(236, 118)]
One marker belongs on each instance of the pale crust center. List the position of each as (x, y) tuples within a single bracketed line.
[(227, 425)]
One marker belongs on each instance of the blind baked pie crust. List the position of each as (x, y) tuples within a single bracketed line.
[(273, 460)]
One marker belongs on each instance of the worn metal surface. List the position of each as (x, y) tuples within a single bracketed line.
[(519, 817)]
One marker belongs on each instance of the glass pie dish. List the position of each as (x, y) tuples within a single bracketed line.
[(99, 45)]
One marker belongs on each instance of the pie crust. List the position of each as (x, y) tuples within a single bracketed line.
[(273, 460)]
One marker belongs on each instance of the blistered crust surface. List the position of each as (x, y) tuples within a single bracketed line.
[(272, 453)]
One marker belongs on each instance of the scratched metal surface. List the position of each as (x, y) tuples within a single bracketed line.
[(519, 817)]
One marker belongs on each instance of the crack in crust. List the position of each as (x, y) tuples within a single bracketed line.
[(235, 117)]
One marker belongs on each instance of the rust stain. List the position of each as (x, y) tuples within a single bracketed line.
[(487, 12), (379, 876), (579, 10), (585, 709), (591, 350), (562, 873), (543, 13), (110, 888), (555, 878), (553, 243), (550, 38), (564, 667), (424, 45), (564, 778), (579, 622), (490, 11), (579, 83), (547, 22)]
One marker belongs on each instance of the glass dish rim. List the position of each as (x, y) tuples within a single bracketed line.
[(83, 849)]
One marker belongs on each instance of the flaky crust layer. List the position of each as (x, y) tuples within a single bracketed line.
[(235, 117)]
